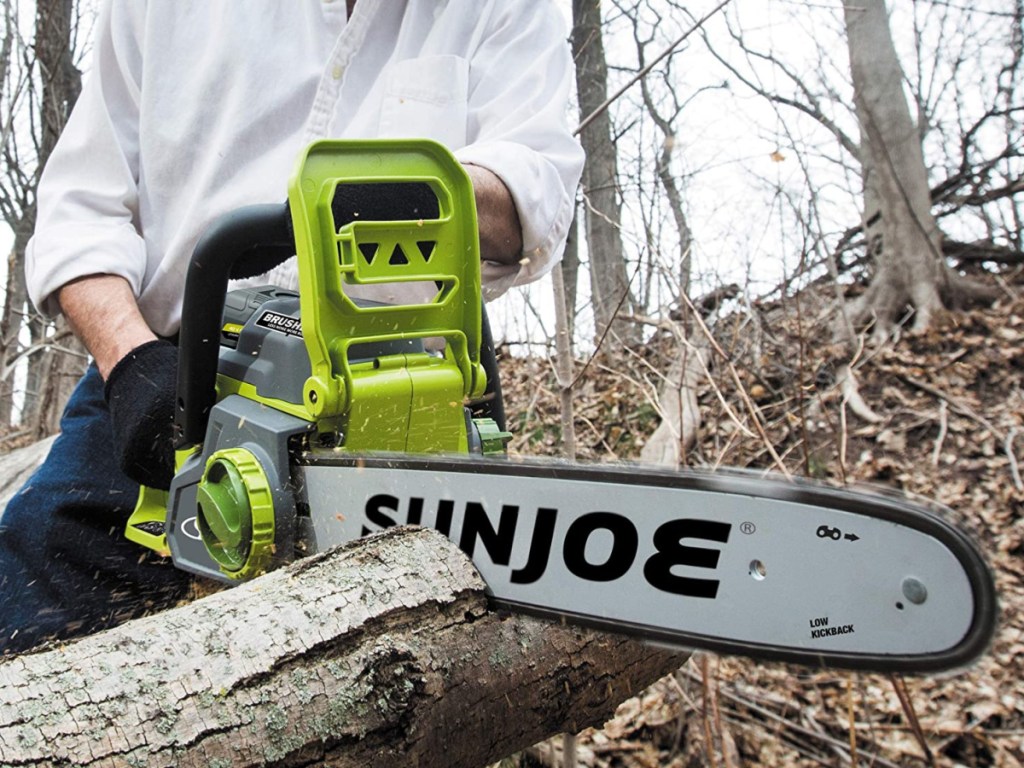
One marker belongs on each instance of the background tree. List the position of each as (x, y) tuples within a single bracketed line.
[(609, 279), (668, 240), (40, 85), (902, 233), (942, 172)]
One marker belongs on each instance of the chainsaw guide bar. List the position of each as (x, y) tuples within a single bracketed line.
[(741, 564)]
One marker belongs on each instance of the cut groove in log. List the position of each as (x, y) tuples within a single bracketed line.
[(380, 653)]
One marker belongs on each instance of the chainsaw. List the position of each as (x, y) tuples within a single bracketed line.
[(306, 419)]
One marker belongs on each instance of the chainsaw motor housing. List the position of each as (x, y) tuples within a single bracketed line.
[(262, 345)]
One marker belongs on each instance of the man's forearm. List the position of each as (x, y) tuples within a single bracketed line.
[(501, 234), (104, 315)]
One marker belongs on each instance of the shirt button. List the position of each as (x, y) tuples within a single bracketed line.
[(337, 72)]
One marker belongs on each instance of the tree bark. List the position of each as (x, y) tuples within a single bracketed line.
[(384, 653), (570, 266), (609, 279)]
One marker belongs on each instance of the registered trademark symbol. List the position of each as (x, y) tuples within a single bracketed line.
[(748, 528)]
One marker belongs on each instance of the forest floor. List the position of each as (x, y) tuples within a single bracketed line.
[(947, 424)]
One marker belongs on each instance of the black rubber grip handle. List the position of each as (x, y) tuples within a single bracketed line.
[(244, 243)]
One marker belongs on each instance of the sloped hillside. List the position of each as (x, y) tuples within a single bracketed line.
[(942, 416)]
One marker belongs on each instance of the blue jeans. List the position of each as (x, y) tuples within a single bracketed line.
[(66, 568)]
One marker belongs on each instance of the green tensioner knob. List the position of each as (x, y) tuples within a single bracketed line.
[(236, 513)]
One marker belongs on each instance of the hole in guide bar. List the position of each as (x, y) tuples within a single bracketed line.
[(757, 570)]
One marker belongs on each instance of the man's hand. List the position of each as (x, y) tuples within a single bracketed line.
[(140, 371), (140, 393)]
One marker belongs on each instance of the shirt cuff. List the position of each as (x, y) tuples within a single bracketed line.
[(57, 255), (544, 205)]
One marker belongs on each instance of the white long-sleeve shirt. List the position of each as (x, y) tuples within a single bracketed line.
[(196, 107)]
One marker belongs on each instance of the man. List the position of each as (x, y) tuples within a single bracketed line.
[(192, 110)]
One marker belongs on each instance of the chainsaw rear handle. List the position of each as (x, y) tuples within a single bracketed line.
[(244, 243)]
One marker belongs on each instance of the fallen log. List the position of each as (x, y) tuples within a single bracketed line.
[(381, 653)]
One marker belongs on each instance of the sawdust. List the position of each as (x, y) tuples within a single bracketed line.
[(944, 420)]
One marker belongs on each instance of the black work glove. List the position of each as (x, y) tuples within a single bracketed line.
[(140, 392)]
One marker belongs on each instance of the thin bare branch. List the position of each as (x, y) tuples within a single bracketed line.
[(646, 70)]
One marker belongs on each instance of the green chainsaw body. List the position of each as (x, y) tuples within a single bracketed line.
[(317, 369)]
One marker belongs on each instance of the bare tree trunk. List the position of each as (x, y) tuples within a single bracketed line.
[(675, 201), (384, 653), (609, 279), (677, 396), (63, 364), (570, 267), (62, 82), (13, 318), (52, 376), (47, 88), (564, 365), (903, 236), (7, 343)]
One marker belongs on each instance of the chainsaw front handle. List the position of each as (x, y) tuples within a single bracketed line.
[(244, 243), (358, 212)]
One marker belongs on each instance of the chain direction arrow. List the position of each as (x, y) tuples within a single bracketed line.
[(852, 537)]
